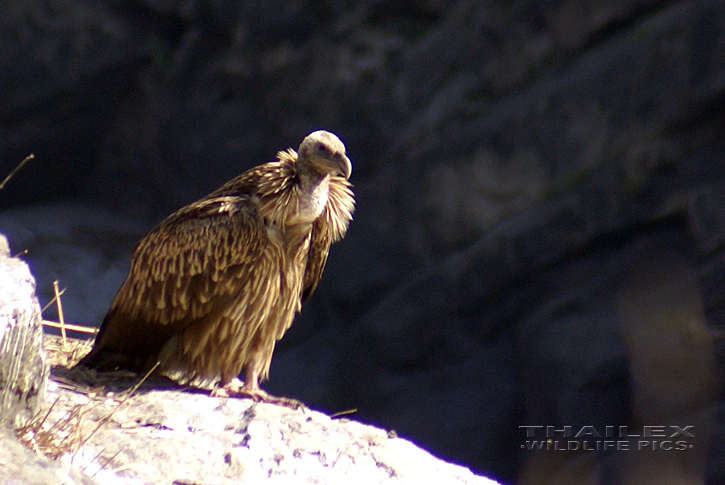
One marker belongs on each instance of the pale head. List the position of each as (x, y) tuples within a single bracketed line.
[(325, 154)]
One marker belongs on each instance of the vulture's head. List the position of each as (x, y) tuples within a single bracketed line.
[(324, 153)]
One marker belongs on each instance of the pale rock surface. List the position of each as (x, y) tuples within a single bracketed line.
[(20, 466), (172, 436), (23, 372)]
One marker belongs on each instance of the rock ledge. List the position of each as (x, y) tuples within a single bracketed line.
[(173, 436)]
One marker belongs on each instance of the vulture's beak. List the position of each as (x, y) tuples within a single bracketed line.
[(344, 165)]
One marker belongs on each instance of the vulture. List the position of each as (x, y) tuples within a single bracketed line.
[(216, 284)]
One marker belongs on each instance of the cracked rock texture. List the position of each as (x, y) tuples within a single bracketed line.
[(166, 436), (19, 465), (23, 371)]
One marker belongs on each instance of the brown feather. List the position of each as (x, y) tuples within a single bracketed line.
[(217, 283)]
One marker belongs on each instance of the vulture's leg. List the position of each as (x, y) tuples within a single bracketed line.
[(250, 388)]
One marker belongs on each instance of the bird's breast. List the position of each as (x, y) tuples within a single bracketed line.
[(288, 235), (309, 205)]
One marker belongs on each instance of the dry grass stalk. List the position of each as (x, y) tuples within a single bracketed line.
[(14, 171), (62, 325), (343, 413), (68, 351), (68, 355), (61, 319), (57, 295), (71, 326), (55, 439)]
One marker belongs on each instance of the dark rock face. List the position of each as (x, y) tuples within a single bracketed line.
[(515, 165)]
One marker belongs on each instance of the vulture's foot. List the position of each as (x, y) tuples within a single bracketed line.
[(233, 389)]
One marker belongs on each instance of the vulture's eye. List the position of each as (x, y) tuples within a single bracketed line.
[(321, 148)]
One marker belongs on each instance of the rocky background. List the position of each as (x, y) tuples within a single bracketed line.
[(541, 199)]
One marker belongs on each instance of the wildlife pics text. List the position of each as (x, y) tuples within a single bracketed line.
[(608, 438)]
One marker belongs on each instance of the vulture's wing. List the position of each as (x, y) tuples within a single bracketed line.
[(319, 249), (330, 227), (186, 271)]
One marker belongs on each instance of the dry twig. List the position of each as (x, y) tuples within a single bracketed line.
[(19, 166)]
